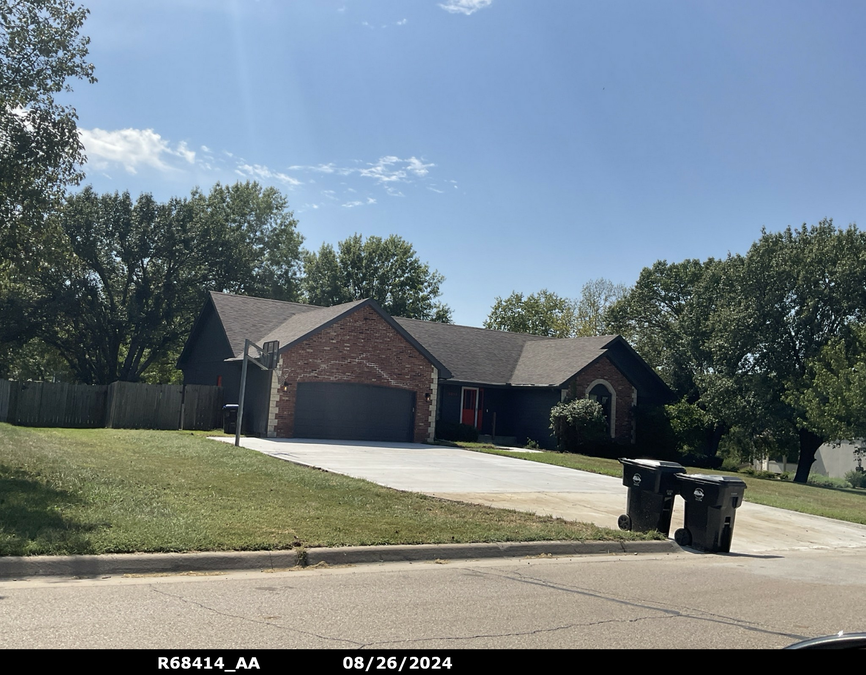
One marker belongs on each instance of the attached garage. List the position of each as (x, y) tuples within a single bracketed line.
[(363, 412)]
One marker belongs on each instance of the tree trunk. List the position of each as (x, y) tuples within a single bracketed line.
[(716, 438), (809, 444)]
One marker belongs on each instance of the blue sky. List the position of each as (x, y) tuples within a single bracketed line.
[(517, 144)]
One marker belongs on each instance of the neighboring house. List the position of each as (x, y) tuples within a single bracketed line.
[(354, 372), (832, 459)]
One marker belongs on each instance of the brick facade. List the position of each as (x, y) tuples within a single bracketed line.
[(625, 394), (361, 348)]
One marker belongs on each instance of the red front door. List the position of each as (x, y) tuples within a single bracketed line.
[(471, 409)]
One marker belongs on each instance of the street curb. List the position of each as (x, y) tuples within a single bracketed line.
[(177, 563)]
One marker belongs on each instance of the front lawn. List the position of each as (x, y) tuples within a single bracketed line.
[(77, 491)]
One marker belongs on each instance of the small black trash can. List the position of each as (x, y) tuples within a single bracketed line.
[(651, 492), (711, 506), (230, 418)]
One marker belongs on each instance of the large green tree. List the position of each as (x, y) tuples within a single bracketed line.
[(834, 402), (549, 314), (41, 51), (795, 292), (665, 316), (543, 313), (734, 336), (386, 270), (123, 280)]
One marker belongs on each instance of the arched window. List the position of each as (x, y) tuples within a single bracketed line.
[(602, 392)]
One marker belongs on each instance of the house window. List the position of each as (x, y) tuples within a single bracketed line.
[(602, 392)]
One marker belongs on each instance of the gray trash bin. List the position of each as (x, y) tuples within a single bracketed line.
[(230, 418), (711, 507), (652, 489)]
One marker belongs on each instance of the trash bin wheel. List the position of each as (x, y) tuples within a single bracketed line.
[(624, 522), (683, 537)]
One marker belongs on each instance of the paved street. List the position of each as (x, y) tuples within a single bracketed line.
[(463, 475), (619, 601)]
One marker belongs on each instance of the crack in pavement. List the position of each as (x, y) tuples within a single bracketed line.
[(691, 613), (536, 631), (257, 621)]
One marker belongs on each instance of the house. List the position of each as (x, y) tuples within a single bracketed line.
[(353, 372)]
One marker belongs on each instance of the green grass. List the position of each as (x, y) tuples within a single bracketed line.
[(841, 504), (86, 491)]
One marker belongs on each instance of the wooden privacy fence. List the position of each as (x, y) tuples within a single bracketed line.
[(121, 405)]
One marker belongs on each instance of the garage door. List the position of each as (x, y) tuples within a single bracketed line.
[(360, 412)]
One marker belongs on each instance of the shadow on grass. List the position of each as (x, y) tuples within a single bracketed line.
[(32, 519)]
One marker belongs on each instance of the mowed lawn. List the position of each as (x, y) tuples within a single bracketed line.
[(841, 504), (86, 491)]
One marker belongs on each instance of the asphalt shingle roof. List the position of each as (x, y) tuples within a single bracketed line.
[(471, 354), (553, 362), (302, 323), (245, 317)]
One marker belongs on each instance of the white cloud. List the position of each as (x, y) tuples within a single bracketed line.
[(464, 6), (402, 22), (390, 169), (321, 168), (257, 171), (185, 152), (131, 148), (353, 204)]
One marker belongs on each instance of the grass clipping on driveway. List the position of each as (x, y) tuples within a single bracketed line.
[(90, 491)]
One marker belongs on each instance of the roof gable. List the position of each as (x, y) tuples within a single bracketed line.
[(245, 317), (554, 362)]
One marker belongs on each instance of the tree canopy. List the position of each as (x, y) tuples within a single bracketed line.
[(123, 281), (387, 270), (734, 336), (543, 313), (834, 402), (41, 50), (546, 313)]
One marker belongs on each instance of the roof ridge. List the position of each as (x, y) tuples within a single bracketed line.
[(257, 298), (488, 330)]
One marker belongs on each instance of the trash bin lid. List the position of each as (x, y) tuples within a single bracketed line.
[(653, 464), (731, 481)]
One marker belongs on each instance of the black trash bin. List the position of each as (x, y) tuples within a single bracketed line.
[(651, 492), (711, 506), (230, 418)]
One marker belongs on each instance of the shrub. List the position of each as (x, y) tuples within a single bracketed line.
[(452, 431), (857, 478), (577, 424), (827, 482), (731, 464), (531, 445)]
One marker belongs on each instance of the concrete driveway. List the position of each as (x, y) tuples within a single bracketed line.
[(503, 482)]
